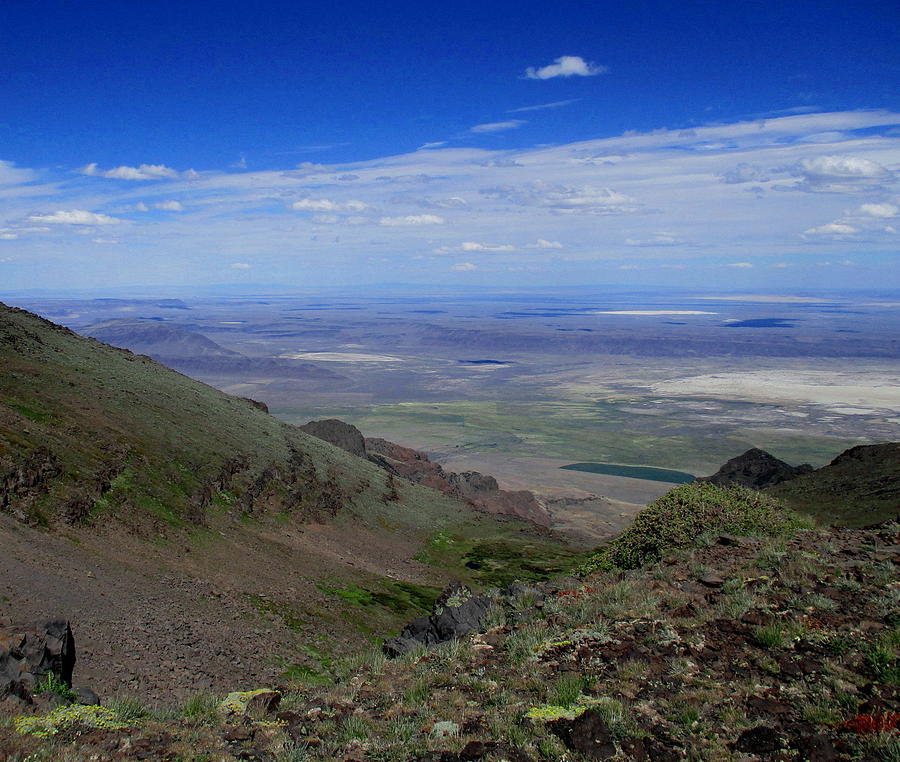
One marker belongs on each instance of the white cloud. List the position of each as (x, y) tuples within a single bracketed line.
[(475, 246), (8, 236), (73, 217), (143, 172), (169, 206), (565, 199), (326, 205), (412, 220), (510, 124), (841, 174), (565, 66), (240, 265), (883, 211), (542, 106), (741, 265), (141, 207), (105, 241), (657, 239), (542, 243), (832, 229), (463, 267), (435, 144)]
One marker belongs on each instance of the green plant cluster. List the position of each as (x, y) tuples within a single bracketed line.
[(50, 683), (683, 514)]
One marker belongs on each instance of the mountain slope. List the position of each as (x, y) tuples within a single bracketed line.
[(861, 486), (142, 504)]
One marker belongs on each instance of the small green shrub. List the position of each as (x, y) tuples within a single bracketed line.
[(50, 683), (676, 519)]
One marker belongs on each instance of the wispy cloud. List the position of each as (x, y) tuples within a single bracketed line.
[(542, 106), (327, 205), (142, 172), (510, 124), (832, 229), (412, 220), (169, 206), (565, 66), (463, 267), (760, 190), (73, 217)]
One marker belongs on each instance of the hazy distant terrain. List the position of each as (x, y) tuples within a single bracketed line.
[(520, 384)]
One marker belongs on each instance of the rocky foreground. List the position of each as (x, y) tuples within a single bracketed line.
[(757, 639)]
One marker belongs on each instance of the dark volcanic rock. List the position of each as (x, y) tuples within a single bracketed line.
[(446, 623), (587, 734), (755, 469), (340, 434), (28, 654), (760, 740)]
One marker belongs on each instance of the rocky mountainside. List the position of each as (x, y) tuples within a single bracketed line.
[(479, 490), (755, 469), (746, 636), (148, 507)]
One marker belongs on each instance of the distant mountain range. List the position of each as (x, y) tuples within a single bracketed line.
[(193, 353)]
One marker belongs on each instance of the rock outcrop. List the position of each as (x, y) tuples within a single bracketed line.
[(340, 434), (28, 654), (755, 469), (480, 490)]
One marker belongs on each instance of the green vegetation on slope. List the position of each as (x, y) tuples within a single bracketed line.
[(858, 488), (686, 513)]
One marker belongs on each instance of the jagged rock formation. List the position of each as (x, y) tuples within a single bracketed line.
[(480, 490), (755, 469), (29, 653)]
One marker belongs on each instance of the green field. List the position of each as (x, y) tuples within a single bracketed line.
[(600, 431)]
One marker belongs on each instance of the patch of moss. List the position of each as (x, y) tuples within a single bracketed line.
[(397, 597)]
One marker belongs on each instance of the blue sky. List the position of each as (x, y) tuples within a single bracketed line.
[(740, 144)]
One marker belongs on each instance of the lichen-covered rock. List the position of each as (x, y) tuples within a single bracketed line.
[(250, 703)]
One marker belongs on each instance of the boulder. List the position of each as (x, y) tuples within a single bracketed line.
[(446, 623)]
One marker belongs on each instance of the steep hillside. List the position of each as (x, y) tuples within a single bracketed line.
[(756, 641), (861, 486), (141, 504)]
